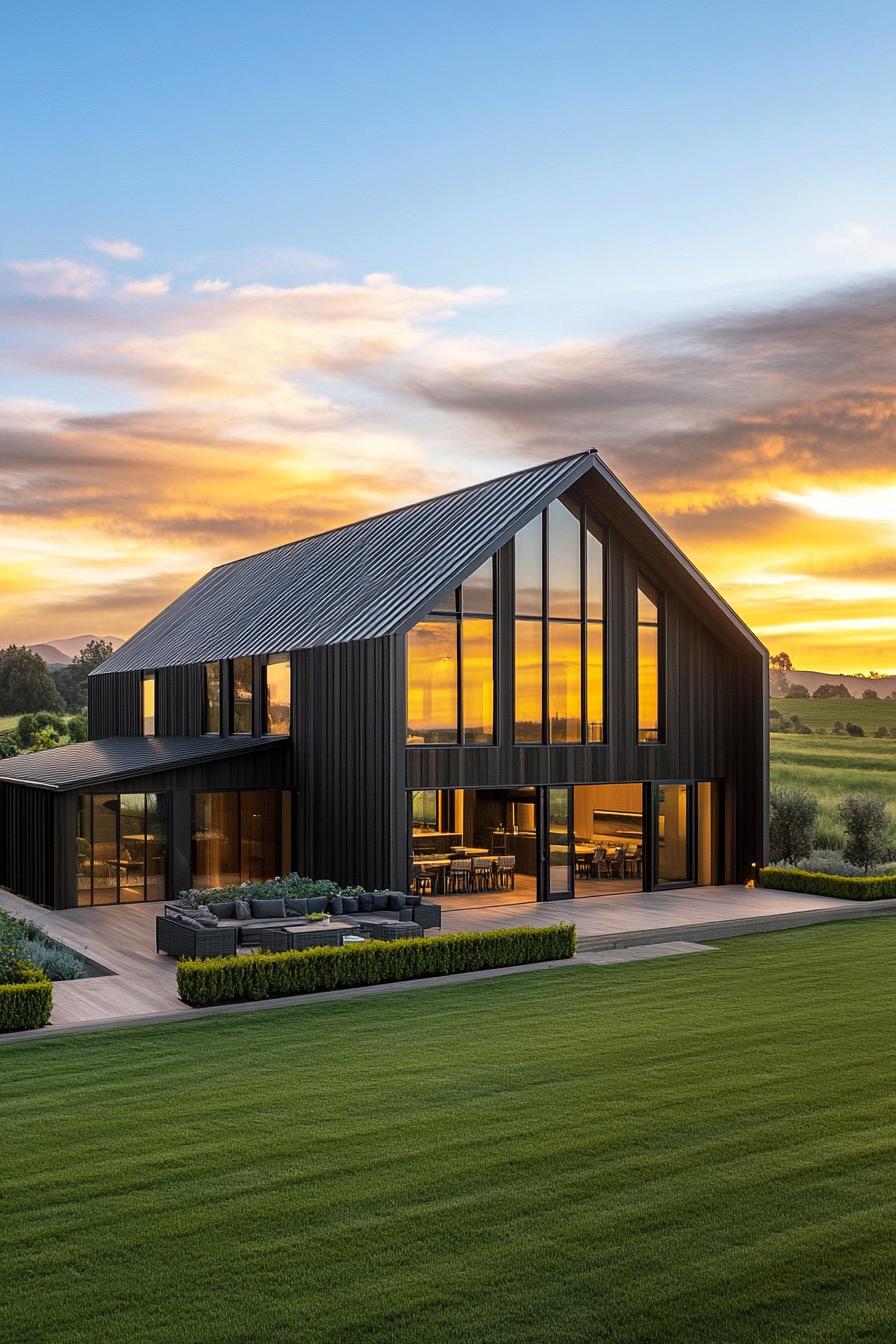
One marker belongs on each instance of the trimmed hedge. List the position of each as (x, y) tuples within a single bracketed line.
[(270, 975), (826, 884), (27, 1002)]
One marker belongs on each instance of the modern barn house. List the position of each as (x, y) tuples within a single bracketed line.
[(526, 672)]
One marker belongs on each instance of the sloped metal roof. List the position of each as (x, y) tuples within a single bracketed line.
[(374, 577), (356, 582), (86, 764)]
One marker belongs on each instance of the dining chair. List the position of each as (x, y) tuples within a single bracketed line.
[(460, 875), (505, 872), (483, 870)]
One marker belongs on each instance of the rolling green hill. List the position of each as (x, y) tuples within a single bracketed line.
[(825, 713)]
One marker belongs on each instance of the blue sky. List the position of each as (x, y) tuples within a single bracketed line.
[(265, 268), (604, 164)]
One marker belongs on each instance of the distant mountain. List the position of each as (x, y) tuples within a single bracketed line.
[(60, 652), (855, 685), (51, 655)]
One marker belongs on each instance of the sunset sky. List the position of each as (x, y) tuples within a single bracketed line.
[(269, 268)]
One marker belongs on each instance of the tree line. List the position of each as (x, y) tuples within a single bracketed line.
[(28, 686)]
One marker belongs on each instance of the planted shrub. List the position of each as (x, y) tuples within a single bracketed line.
[(826, 884), (26, 1000), (793, 814), (269, 975), (55, 960)]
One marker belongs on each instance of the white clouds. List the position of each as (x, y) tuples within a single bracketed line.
[(859, 244), (150, 288), (121, 248), (217, 286), (58, 277)]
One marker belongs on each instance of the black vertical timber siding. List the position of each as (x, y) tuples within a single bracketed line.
[(344, 762), (114, 707), (28, 848), (180, 701)]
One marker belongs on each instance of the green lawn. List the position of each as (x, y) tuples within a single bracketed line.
[(701, 1149), (8, 721), (869, 714)]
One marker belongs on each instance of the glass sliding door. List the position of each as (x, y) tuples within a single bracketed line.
[(559, 846), (673, 837), (121, 848), (240, 835)]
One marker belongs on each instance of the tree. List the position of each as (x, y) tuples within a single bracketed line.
[(867, 825), (828, 691), (77, 726), (855, 730), (838, 729), (781, 660), (25, 682), (870, 694), (882, 731), (30, 725), (797, 692), (71, 681), (793, 814), (45, 738)]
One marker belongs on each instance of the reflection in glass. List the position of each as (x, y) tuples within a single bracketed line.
[(279, 694), (477, 644), (527, 681), (708, 820), (595, 675), (212, 673), (648, 684), (149, 704), (564, 562), (478, 591), (565, 681), (559, 847), (425, 809), (527, 552), (242, 695), (240, 836), (120, 848), (673, 843), (432, 682), (595, 575)]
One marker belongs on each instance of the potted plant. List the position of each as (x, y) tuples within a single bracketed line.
[(319, 917)]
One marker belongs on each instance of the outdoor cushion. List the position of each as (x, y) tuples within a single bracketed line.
[(189, 922), (381, 900), (365, 901), (336, 905), (241, 910), (296, 906), (317, 905), (206, 919), (274, 909), (395, 901), (413, 899), (349, 905), (223, 909)]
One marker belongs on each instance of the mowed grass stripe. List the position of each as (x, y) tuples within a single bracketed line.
[(696, 1149)]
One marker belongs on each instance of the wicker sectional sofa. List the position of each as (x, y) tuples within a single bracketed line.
[(368, 908)]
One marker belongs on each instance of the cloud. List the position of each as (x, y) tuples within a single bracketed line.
[(152, 287), (857, 243), (121, 248), (58, 277), (243, 414)]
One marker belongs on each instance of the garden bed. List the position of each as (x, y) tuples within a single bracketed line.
[(828, 884)]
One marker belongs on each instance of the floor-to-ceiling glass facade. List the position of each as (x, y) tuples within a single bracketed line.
[(240, 835), (121, 847)]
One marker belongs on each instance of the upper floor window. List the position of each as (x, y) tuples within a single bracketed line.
[(278, 694), (148, 704), (558, 628), (649, 665), (450, 660), (241, 696), (211, 673)]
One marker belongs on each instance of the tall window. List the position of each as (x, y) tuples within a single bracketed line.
[(649, 653), (451, 675), (241, 695), (278, 694), (148, 704), (240, 835), (212, 678), (558, 629), (121, 846)]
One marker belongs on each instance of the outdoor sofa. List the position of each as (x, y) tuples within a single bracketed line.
[(367, 908)]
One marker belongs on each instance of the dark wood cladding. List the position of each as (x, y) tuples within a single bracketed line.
[(344, 762), (114, 707), (27, 842), (180, 701)]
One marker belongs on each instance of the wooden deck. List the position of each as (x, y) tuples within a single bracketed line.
[(121, 938)]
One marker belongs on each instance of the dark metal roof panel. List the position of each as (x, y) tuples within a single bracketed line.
[(84, 764), (357, 582)]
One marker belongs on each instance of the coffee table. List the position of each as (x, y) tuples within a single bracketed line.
[(294, 937)]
